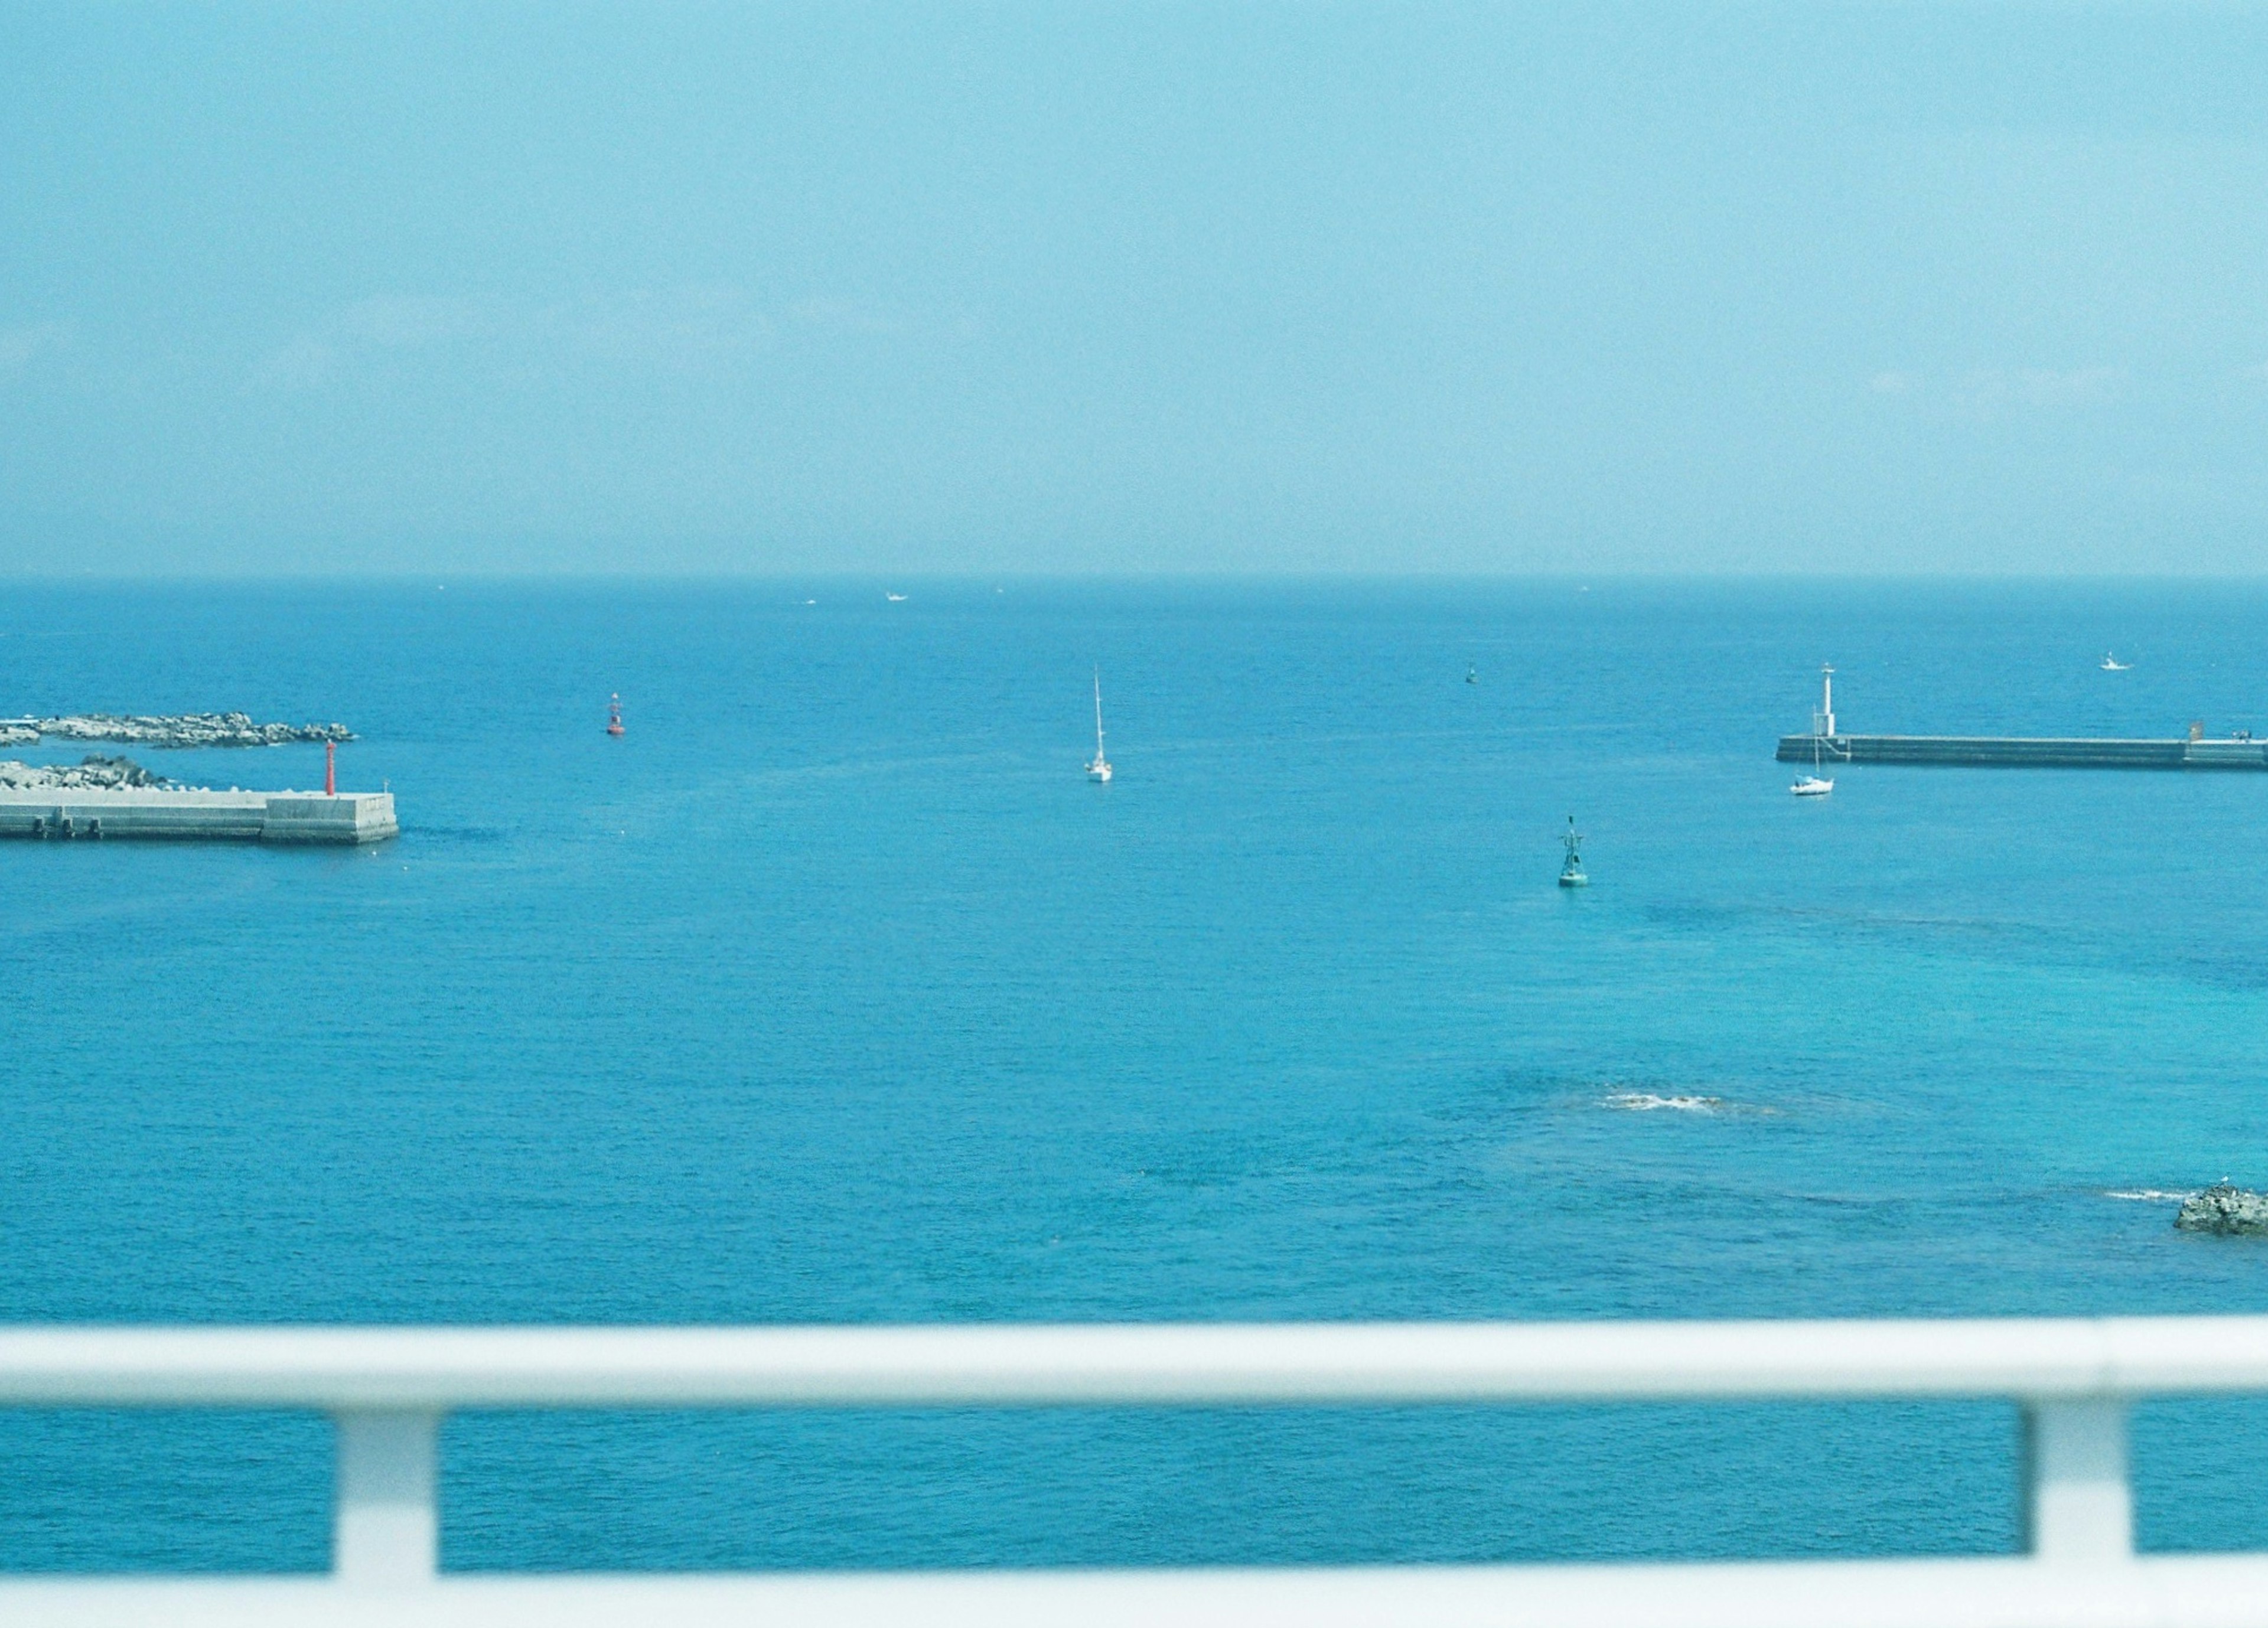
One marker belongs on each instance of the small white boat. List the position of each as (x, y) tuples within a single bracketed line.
[(1099, 771), (1812, 784), (2111, 664), (895, 598)]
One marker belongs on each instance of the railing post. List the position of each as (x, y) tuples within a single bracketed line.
[(2078, 1505), (388, 1526)]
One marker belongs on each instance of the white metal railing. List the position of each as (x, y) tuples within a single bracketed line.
[(389, 1389)]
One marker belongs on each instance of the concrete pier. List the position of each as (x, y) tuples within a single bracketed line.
[(2023, 752), (81, 813)]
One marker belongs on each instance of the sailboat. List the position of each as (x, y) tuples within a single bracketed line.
[(1822, 730), (1099, 771), (2111, 664), (1811, 784)]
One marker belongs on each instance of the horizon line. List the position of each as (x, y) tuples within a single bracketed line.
[(943, 576)]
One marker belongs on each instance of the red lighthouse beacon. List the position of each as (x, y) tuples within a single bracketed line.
[(615, 716)]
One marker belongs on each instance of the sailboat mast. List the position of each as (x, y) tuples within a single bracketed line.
[(1098, 714)]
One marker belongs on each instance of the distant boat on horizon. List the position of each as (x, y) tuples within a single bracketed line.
[(1099, 771), (895, 598), (2111, 664)]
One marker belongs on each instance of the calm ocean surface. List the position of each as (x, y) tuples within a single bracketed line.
[(834, 993)]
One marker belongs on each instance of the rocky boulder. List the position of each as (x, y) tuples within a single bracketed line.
[(2222, 1208), (184, 729), (96, 773)]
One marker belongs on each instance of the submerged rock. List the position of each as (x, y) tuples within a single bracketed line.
[(97, 773), (2222, 1208), (184, 729)]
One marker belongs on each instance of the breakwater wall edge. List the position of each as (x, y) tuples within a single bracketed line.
[(159, 813), (2024, 752)]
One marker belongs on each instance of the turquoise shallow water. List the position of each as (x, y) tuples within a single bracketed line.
[(834, 993)]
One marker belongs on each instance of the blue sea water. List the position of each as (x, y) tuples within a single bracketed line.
[(834, 993)]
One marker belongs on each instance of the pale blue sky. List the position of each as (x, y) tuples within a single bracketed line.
[(1136, 287)]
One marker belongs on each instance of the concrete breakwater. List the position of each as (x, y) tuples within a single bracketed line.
[(107, 797), (180, 729), (76, 813), (2023, 752)]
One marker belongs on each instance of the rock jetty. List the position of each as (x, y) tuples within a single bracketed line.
[(2222, 1208), (96, 773), (184, 729)]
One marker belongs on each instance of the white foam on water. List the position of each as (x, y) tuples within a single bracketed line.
[(2151, 1194), (1649, 1102)]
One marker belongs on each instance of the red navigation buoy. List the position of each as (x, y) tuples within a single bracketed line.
[(330, 768), (615, 716)]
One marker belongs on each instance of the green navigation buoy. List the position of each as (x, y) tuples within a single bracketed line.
[(1570, 874)]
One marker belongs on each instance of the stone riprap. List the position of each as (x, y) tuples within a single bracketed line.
[(96, 772), (2222, 1208), (184, 729)]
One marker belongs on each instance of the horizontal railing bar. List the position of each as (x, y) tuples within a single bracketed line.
[(1100, 1364), (2226, 1591)]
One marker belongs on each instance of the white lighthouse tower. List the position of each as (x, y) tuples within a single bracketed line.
[(1822, 721)]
